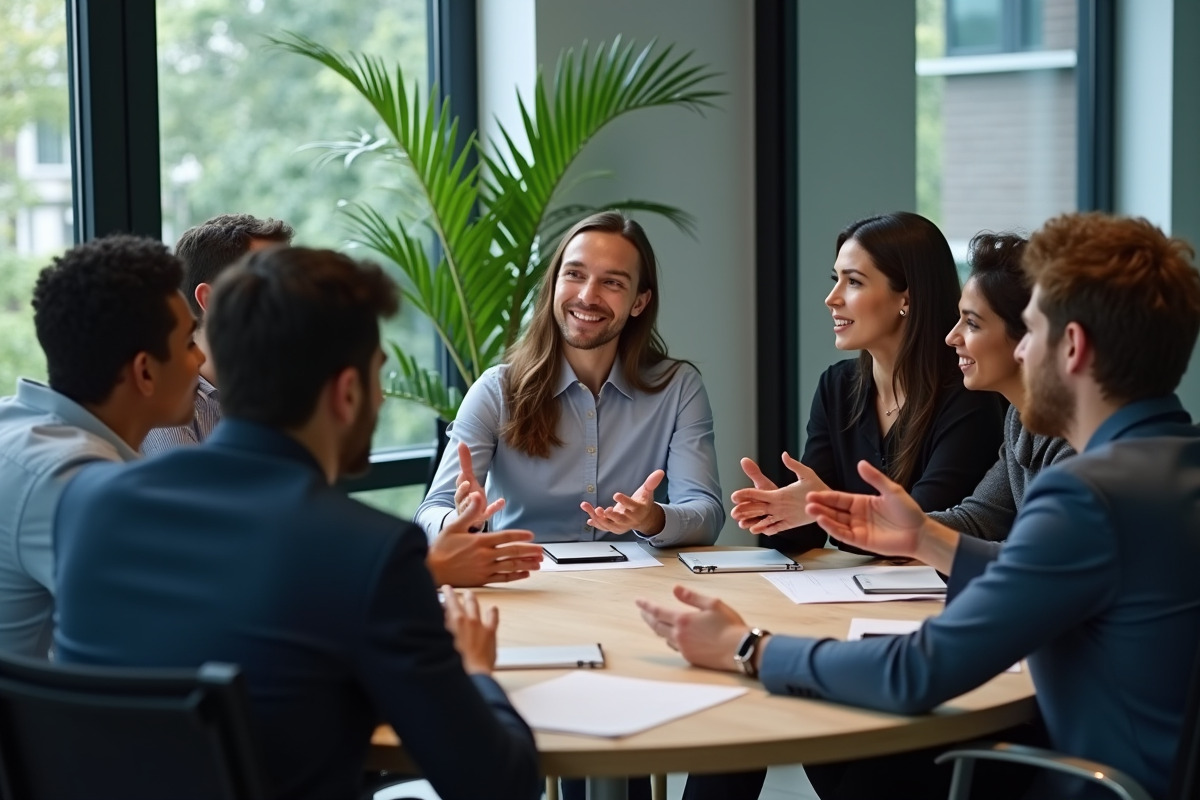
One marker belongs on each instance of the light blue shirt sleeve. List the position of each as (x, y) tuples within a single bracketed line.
[(611, 444)]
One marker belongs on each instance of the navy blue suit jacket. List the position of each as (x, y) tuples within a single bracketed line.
[(238, 550), (1096, 585)]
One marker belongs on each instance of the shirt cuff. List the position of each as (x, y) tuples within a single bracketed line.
[(672, 528)]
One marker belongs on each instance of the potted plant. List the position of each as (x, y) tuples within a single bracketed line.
[(472, 259)]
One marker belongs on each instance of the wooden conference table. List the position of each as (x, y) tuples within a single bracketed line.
[(754, 730)]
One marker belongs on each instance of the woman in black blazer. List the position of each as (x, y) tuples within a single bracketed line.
[(900, 404)]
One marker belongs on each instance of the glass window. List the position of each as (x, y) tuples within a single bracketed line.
[(996, 135), (993, 26), (35, 202), (236, 116)]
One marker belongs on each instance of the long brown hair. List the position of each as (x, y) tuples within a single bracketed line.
[(913, 255), (534, 361)]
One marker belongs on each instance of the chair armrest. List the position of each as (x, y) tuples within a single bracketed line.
[(1114, 780)]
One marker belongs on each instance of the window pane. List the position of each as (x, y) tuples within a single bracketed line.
[(401, 501), (996, 142), (35, 175), (236, 114), (976, 24)]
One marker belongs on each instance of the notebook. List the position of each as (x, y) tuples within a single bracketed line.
[(550, 657), (761, 560)]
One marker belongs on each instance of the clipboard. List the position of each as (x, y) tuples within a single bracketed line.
[(570, 656), (761, 560)]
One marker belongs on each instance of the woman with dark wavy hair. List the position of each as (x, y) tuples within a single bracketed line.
[(988, 330), (900, 404)]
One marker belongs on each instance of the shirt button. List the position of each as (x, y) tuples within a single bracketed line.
[(591, 451), (591, 489), (591, 414)]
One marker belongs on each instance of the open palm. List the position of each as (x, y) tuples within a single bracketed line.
[(889, 523)]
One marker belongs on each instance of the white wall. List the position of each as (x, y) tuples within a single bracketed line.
[(858, 145), (704, 165)]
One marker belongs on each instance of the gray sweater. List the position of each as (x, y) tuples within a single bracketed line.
[(990, 510)]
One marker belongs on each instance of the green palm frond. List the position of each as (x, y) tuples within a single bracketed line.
[(411, 381), (494, 222)]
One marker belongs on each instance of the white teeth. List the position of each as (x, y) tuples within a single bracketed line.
[(586, 317), (841, 323), (963, 361)]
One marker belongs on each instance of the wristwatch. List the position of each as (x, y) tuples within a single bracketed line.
[(745, 651)]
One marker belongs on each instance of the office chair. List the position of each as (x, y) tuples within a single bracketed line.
[(70, 732), (1185, 773)]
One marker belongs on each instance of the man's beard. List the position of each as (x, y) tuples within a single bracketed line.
[(356, 452), (1050, 404)]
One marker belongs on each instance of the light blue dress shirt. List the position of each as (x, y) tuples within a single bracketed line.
[(208, 414), (44, 439), (611, 443)]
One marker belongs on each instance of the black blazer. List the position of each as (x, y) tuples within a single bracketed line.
[(960, 447), (238, 550)]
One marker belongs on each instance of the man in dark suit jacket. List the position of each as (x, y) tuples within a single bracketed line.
[(242, 550)]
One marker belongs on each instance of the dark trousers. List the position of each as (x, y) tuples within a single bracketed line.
[(576, 788)]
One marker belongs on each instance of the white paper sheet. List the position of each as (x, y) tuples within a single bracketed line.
[(592, 704), (835, 586), (637, 555), (860, 626)]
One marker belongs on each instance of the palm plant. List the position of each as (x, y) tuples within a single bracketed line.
[(472, 257)]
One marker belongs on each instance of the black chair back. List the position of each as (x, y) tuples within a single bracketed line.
[(69, 732), (1185, 776)]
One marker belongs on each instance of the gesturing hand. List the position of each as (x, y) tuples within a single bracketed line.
[(636, 512), (461, 558), (466, 485), (707, 637), (474, 633), (889, 524), (769, 509)]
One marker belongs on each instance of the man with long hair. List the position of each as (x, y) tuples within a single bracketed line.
[(207, 250), (588, 417), (1099, 568), (242, 549)]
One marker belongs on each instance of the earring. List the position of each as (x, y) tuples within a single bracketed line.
[(903, 312)]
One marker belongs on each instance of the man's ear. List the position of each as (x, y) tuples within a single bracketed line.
[(346, 395), (142, 372), (1076, 349), (202, 293), (640, 304)]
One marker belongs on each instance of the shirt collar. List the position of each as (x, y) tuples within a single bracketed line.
[(42, 397), (616, 377), (240, 434), (1138, 413), (207, 389)]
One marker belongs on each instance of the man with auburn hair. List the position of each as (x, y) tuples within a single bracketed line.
[(206, 250), (248, 553), (589, 407), (121, 359), (1099, 568)]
